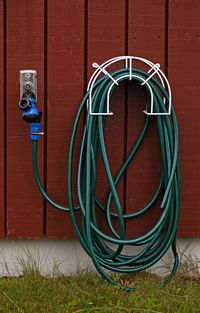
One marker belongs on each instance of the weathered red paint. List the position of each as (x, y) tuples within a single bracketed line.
[(65, 91), (184, 69), (66, 56), (2, 210), (25, 50)]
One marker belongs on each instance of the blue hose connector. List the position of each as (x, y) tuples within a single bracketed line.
[(31, 115), (35, 131)]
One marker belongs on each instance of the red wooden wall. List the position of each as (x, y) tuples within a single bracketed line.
[(61, 39)]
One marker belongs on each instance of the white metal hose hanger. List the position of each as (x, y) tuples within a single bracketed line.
[(106, 251), (154, 69)]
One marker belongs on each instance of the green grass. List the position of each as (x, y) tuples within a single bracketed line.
[(88, 293)]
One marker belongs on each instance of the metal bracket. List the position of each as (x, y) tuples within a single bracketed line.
[(154, 70)]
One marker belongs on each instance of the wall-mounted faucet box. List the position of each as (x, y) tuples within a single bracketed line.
[(28, 82)]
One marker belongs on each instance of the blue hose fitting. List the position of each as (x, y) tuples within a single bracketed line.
[(35, 131), (31, 115)]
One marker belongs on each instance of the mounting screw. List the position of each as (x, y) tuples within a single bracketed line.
[(28, 75)]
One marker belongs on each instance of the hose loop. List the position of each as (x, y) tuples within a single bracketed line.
[(106, 250)]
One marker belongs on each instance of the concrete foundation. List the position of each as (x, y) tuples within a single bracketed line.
[(66, 256)]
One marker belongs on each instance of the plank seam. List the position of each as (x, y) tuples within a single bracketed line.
[(45, 112), (166, 37), (85, 45), (5, 111), (125, 105)]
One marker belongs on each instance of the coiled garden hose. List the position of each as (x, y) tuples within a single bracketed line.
[(106, 250)]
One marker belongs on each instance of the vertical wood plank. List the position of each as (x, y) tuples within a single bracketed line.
[(2, 228), (146, 38), (25, 46), (106, 39), (184, 69), (65, 91)]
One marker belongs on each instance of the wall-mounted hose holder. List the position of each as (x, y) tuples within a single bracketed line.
[(130, 73)]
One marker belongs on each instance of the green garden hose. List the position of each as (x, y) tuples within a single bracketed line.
[(106, 250)]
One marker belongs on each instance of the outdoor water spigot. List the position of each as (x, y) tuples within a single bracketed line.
[(30, 112), (27, 102)]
